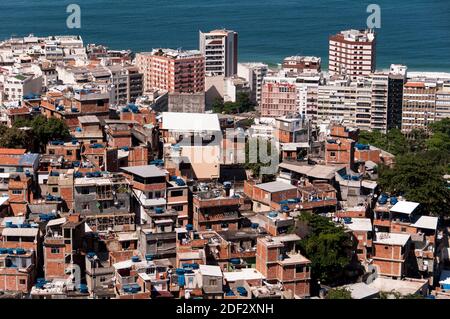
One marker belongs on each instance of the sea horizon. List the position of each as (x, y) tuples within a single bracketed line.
[(268, 30)]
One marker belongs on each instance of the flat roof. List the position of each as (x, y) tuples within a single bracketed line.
[(404, 287), (190, 122), (127, 236), (426, 222), (404, 207), (88, 119), (145, 171), (316, 171), (209, 270), (22, 232), (275, 186), (360, 224), (295, 258), (243, 274), (362, 290), (14, 219), (391, 238)]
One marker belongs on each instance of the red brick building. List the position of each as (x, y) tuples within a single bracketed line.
[(278, 261)]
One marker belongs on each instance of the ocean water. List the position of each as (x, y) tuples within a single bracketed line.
[(413, 32)]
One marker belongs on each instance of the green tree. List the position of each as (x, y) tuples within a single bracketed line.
[(419, 179), (46, 130), (243, 104), (328, 247), (339, 293), (14, 138), (393, 142)]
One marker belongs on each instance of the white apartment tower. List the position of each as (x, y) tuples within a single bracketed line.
[(254, 73), (352, 53), (220, 48)]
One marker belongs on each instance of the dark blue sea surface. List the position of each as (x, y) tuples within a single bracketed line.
[(413, 32)]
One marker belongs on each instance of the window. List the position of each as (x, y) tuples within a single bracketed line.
[(178, 208), (51, 152), (213, 282), (85, 206), (69, 152), (85, 190), (17, 191), (22, 281), (159, 244), (100, 103), (102, 279), (54, 189), (333, 154), (403, 229), (176, 193), (55, 250), (299, 269)]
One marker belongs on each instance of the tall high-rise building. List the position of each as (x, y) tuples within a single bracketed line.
[(352, 53), (419, 104), (361, 103), (220, 48), (254, 73), (175, 71), (281, 96), (397, 78), (443, 102)]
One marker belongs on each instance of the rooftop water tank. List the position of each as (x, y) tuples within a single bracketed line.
[(273, 214)]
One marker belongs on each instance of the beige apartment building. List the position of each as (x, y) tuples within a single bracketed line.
[(174, 71), (419, 105), (352, 53)]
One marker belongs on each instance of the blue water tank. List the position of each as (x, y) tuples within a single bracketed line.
[(181, 280), (20, 251), (254, 225), (91, 254), (8, 224), (189, 227), (393, 200), (273, 214), (235, 261), (180, 271), (83, 288), (159, 210), (149, 257), (135, 259)]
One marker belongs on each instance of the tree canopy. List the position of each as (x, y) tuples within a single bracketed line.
[(33, 134), (419, 179), (422, 160), (339, 293), (243, 104), (328, 247)]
